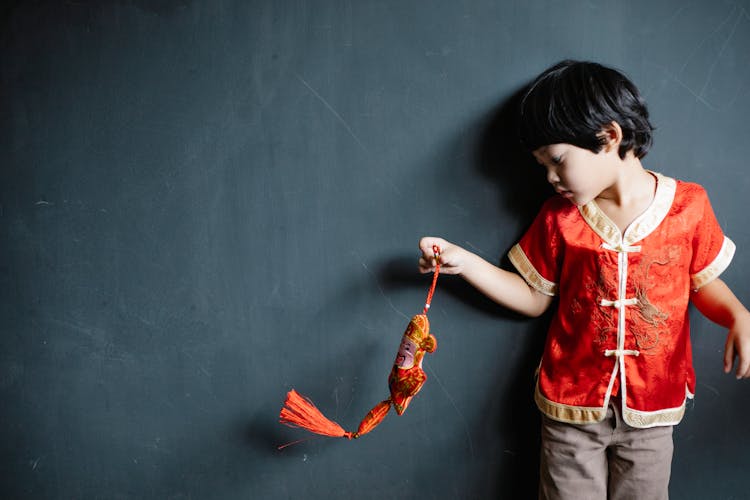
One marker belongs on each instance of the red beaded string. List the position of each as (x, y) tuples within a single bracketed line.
[(436, 251)]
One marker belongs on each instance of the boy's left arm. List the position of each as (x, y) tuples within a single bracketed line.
[(717, 302)]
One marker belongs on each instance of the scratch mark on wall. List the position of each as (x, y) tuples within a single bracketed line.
[(334, 112), (382, 292), (712, 389), (73, 326), (693, 93), (458, 411), (672, 18), (696, 95), (461, 211), (143, 320), (704, 40), (721, 52), (336, 398), (200, 367)]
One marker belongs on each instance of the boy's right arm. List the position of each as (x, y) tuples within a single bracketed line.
[(507, 289)]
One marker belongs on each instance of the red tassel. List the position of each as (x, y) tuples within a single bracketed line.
[(299, 411)]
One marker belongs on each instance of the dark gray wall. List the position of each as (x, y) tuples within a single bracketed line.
[(204, 204)]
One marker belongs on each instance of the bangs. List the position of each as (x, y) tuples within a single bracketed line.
[(553, 112)]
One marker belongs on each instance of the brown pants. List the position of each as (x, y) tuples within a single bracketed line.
[(606, 460)]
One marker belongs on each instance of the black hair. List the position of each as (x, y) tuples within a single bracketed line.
[(573, 101)]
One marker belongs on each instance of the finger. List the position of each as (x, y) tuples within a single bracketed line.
[(425, 245), (428, 243), (425, 265), (728, 354), (743, 367)]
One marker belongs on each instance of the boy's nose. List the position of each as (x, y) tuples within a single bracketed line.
[(552, 176)]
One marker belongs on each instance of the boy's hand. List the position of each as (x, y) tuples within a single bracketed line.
[(450, 256), (738, 346), (504, 287)]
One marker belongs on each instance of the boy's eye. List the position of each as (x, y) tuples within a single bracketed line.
[(556, 159)]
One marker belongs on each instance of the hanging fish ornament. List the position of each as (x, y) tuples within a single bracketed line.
[(405, 380)]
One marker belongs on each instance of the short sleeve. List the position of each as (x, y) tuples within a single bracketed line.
[(712, 250), (538, 255)]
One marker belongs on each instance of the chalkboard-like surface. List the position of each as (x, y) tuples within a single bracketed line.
[(204, 204)]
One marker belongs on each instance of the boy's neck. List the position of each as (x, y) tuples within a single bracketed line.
[(630, 195), (633, 185)]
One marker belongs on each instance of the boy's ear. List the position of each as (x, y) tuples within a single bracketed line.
[(611, 136)]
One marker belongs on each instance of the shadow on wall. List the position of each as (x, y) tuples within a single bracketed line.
[(521, 183), (522, 188), (512, 420)]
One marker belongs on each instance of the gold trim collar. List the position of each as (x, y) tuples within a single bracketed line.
[(642, 226)]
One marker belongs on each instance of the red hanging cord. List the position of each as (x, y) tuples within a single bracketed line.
[(436, 251)]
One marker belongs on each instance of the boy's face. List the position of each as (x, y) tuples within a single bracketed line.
[(577, 173)]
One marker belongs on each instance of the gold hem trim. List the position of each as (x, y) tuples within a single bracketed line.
[(644, 420), (567, 413), (591, 415), (529, 273), (716, 267)]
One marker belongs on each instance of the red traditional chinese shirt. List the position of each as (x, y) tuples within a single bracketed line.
[(621, 328)]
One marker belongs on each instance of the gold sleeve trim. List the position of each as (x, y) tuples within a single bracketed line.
[(529, 273), (715, 268)]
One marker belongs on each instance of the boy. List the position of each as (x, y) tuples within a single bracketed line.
[(625, 249)]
